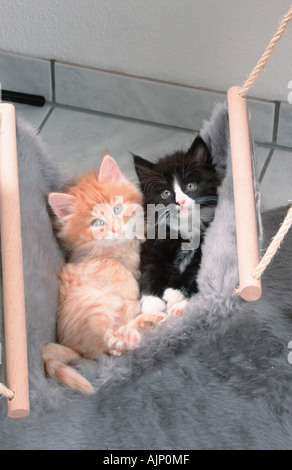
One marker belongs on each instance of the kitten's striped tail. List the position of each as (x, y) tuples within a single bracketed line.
[(55, 357)]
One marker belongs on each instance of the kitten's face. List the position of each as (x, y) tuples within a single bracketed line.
[(182, 179), (96, 213)]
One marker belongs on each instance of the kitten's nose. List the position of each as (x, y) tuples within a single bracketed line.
[(181, 202), (117, 228)]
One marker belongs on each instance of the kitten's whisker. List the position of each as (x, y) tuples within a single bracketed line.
[(195, 166), (164, 214)]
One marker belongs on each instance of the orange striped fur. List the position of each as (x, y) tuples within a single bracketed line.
[(99, 294)]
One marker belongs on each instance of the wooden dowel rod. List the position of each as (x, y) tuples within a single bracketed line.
[(244, 200), (12, 267)]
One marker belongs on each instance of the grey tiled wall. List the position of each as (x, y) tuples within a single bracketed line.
[(90, 111)]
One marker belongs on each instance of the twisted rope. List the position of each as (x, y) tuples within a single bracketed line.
[(248, 84), (274, 245), (6, 392)]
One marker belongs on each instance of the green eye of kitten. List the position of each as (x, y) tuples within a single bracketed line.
[(118, 209), (191, 186), (166, 194), (97, 223)]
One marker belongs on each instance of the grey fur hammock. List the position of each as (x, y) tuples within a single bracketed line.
[(216, 378)]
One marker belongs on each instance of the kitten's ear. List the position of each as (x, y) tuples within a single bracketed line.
[(200, 151), (109, 170), (61, 203), (143, 167)]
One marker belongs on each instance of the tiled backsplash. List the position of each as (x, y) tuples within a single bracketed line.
[(285, 125), (26, 74), (90, 111), (121, 95)]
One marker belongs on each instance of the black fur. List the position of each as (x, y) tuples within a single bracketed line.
[(161, 259)]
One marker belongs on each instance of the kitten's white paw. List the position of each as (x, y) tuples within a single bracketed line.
[(172, 296), (177, 309), (151, 304), (176, 302)]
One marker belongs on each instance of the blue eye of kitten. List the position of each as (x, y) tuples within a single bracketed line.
[(166, 194), (97, 223), (118, 209)]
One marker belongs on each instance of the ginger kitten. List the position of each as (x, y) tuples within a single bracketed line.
[(99, 291)]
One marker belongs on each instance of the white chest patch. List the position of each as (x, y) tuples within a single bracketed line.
[(187, 220)]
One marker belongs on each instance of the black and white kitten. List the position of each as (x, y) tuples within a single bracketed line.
[(180, 183)]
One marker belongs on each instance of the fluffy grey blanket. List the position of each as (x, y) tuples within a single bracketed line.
[(216, 378)]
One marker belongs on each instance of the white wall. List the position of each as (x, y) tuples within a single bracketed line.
[(206, 43)]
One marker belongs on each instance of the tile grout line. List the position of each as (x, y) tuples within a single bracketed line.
[(53, 80), (274, 146), (266, 164), (53, 102), (122, 118), (274, 140), (42, 124)]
